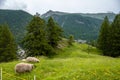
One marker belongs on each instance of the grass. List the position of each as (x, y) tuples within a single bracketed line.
[(70, 63)]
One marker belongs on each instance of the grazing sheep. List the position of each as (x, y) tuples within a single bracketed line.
[(32, 59), (24, 60), (23, 67)]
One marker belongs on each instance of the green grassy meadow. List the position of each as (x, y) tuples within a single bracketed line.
[(70, 63)]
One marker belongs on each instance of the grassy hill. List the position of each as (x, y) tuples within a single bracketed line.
[(70, 63)]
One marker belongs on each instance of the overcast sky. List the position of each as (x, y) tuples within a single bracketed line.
[(73, 6)]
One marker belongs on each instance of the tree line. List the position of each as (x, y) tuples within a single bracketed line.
[(41, 39), (109, 37), (8, 46)]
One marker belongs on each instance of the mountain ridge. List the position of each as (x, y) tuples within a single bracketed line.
[(82, 22), (82, 26), (93, 15)]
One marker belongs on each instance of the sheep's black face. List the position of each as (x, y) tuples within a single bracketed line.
[(33, 66)]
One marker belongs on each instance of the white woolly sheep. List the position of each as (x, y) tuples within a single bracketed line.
[(32, 59), (23, 67)]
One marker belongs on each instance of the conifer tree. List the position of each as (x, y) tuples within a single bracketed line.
[(103, 39), (54, 32), (35, 42), (8, 46), (115, 37)]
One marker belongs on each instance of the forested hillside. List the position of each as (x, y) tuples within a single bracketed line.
[(17, 20), (82, 26), (100, 16)]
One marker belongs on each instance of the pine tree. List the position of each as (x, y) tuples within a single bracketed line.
[(54, 32), (8, 46), (35, 41), (71, 40), (103, 39), (115, 37)]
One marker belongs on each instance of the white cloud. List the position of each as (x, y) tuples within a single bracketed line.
[(79, 6), (15, 4), (2, 2)]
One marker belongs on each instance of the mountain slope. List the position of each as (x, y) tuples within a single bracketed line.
[(17, 20), (100, 16), (82, 27)]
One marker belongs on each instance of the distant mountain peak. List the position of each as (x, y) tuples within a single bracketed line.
[(51, 13)]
